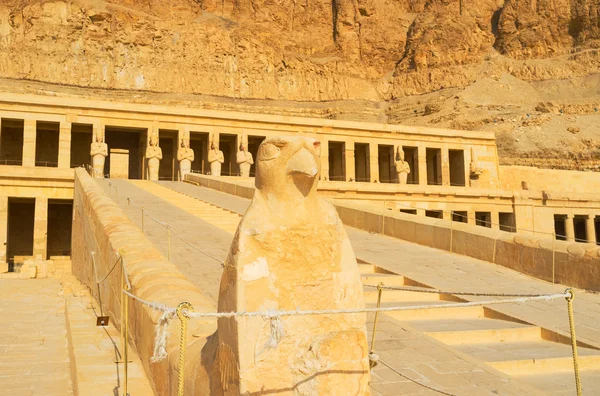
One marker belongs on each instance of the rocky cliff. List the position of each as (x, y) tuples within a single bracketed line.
[(380, 52)]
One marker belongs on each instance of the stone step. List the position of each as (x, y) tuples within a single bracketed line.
[(435, 313), (390, 296), (544, 366), (387, 279), (528, 333)]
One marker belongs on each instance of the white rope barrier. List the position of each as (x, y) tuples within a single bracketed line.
[(274, 316), (417, 289)]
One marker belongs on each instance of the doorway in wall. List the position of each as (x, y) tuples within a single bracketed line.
[(169, 166), (362, 166), (199, 143), (387, 171), (81, 141), (580, 228), (560, 228), (19, 241), (126, 151), (60, 220), (411, 155), (253, 144), (457, 167), (11, 142), (434, 166), (337, 164), (228, 144), (46, 144)]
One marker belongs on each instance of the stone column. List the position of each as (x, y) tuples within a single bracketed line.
[(569, 229), (422, 157), (374, 161), (447, 215), (421, 212), (40, 227), (64, 145), (324, 159), (495, 219), (29, 135), (590, 228), (349, 159), (445, 167), (3, 227), (471, 217)]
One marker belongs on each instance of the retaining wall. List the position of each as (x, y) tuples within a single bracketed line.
[(569, 263), (99, 225)]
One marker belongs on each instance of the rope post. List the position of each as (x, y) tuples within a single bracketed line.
[(128, 203), (451, 229), (379, 292), (573, 339), (124, 328), (169, 242), (183, 318), (553, 254), (142, 219)]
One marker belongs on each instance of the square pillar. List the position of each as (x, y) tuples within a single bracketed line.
[(569, 228), (374, 161), (421, 212), (349, 159), (445, 167), (64, 145), (3, 227), (590, 228), (40, 227), (324, 159), (447, 215), (422, 158), (29, 135), (471, 217), (495, 219)]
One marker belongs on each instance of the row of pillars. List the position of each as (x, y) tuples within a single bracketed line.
[(590, 227), (350, 171)]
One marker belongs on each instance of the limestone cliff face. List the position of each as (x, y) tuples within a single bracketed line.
[(298, 50)]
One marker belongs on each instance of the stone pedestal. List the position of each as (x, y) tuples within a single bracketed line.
[(119, 164)]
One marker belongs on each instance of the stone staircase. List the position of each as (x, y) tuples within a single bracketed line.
[(212, 214), (531, 354)]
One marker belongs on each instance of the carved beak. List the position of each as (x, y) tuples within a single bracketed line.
[(303, 162)]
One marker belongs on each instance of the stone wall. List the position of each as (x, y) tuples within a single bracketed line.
[(569, 263), (549, 179), (100, 226)]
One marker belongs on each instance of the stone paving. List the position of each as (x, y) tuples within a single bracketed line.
[(34, 355), (49, 337)]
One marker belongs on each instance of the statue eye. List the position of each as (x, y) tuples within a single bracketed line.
[(268, 152)]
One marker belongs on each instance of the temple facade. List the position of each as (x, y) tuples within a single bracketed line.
[(447, 174)]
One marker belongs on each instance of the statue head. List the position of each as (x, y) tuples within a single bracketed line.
[(288, 167), (399, 153), (185, 140), (244, 143), (100, 134), (153, 141)]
